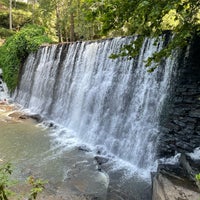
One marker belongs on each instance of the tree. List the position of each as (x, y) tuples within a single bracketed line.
[(72, 19), (37, 185), (10, 14), (16, 49), (150, 18)]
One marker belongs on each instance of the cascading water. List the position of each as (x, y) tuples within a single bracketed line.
[(3, 88), (114, 103)]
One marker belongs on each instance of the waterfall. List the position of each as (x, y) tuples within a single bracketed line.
[(114, 103), (3, 88)]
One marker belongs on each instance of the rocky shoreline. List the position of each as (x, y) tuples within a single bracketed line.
[(177, 181), (167, 187), (11, 113)]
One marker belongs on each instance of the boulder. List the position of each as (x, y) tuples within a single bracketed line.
[(167, 187)]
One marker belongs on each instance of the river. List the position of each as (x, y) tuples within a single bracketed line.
[(70, 168)]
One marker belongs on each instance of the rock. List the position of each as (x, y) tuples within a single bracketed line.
[(172, 188), (195, 113), (186, 166), (17, 115), (177, 181), (36, 117), (23, 117), (101, 160), (84, 148), (172, 169)]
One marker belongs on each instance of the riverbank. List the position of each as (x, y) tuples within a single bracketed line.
[(10, 113)]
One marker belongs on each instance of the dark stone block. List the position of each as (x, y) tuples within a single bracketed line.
[(195, 113), (180, 123), (184, 147), (189, 119), (189, 100)]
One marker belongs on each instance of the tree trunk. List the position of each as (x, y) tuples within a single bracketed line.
[(71, 27), (10, 15), (58, 26), (72, 34)]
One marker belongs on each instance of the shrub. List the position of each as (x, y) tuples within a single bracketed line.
[(4, 19), (16, 49), (197, 177), (37, 185), (5, 32)]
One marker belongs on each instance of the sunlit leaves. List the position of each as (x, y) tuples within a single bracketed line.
[(170, 21), (150, 18)]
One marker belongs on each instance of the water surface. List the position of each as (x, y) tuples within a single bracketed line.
[(70, 171)]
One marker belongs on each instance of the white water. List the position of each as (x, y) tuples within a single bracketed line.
[(3, 88), (113, 103)]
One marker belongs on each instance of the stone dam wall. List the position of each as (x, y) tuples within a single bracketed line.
[(180, 121)]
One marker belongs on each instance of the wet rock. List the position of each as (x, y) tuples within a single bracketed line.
[(194, 163), (36, 117), (101, 160), (51, 125), (177, 181), (23, 117), (17, 115), (186, 166), (172, 169), (84, 148), (166, 187)]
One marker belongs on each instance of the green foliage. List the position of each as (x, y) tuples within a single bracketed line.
[(16, 49), (20, 5), (197, 176), (150, 18), (71, 20), (4, 3), (5, 32), (20, 15), (37, 185), (15, 4), (20, 18), (5, 172), (128, 50), (4, 16)]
